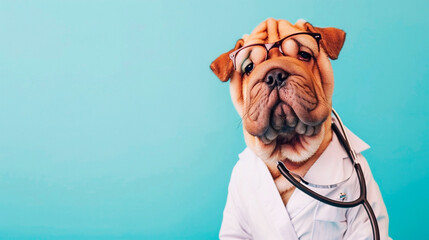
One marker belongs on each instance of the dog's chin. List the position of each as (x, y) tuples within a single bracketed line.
[(300, 148), (292, 146)]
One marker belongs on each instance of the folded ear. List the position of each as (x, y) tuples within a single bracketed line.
[(223, 66), (332, 39)]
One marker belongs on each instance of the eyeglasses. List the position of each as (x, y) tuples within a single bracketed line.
[(302, 45)]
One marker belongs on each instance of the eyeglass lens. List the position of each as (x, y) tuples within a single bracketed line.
[(291, 46)]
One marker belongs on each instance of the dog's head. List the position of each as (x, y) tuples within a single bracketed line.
[(281, 85)]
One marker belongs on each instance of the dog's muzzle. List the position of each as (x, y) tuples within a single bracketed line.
[(282, 100)]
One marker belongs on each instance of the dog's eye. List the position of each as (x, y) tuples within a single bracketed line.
[(304, 56), (248, 68)]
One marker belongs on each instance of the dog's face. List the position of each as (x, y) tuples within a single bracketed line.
[(283, 91)]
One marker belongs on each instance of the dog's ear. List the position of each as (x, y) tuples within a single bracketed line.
[(223, 66), (332, 39)]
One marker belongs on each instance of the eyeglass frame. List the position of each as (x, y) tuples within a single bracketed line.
[(269, 46)]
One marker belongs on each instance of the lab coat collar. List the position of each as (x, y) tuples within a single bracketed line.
[(333, 166)]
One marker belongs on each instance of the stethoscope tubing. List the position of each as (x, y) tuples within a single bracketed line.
[(315, 195), (363, 191)]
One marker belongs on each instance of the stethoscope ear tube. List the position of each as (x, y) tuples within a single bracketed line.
[(363, 192)]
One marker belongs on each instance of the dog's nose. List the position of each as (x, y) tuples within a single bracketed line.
[(276, 77)]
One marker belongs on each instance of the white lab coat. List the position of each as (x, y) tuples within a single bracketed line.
[(254, 208)]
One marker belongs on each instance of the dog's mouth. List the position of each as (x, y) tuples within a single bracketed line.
[(287, 136), (285, 127)]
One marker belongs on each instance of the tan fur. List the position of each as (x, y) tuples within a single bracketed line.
[(315, 82)]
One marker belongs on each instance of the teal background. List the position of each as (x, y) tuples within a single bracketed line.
[(112, 126)]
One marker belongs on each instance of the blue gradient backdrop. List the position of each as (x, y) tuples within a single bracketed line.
[(112, 126)]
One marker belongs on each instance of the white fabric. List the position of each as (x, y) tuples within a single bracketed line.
[(254, 208)]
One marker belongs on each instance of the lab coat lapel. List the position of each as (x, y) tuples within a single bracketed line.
[(273, 204)]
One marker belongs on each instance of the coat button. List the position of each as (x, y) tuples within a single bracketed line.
[(342, 197)]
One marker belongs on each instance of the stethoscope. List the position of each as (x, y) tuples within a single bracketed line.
[(352, 155)]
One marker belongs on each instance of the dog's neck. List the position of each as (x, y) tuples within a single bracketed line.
[(284, 187)]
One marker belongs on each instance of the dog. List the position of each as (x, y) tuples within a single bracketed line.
[(281, 84)]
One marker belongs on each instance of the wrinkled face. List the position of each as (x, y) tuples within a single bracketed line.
[(282, 91), (284, 103)]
